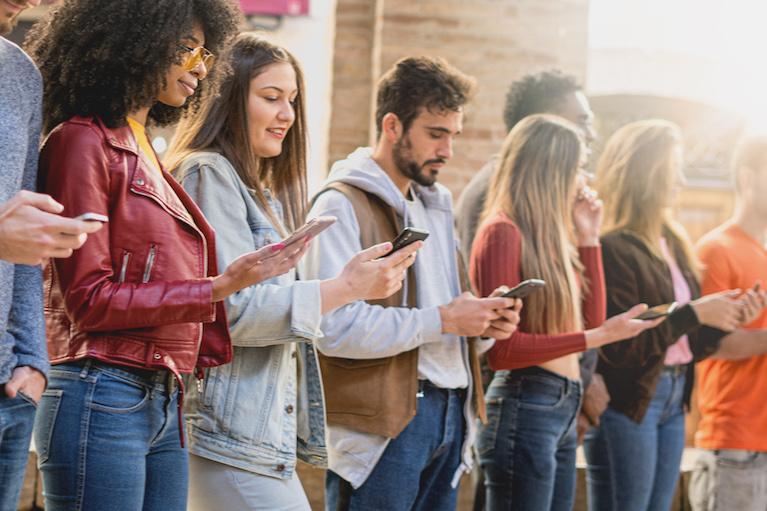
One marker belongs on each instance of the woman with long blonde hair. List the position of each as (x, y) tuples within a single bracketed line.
[(541, 221), (635, 451)]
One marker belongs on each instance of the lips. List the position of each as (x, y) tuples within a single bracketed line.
[(188, 86), (277, 132)]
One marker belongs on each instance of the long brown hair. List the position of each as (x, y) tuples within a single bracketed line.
[(534, 186), (221, 125), (635, 178)]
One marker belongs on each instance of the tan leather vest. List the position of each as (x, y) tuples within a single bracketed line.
[(379, 395)]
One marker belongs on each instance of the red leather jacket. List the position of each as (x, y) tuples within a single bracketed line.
[(137, 292)]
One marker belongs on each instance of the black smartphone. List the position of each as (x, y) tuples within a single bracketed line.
[(524, 288), (92, 217), (658, 311), (406, 237)]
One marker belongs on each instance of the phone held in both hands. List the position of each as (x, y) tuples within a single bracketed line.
[(524, 288), (312, 227), (406, 237), (658, 311)]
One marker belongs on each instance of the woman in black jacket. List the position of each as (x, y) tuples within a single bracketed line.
[(634, 454)]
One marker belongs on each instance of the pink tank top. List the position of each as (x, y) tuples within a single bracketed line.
[(679, 352)]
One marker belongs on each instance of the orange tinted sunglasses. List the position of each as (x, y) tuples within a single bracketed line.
[(197, 55)]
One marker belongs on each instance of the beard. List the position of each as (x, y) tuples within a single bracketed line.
[(7, 24), (402, 157)]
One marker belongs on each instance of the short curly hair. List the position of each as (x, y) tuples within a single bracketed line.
[(107, 58), (415, 82), (536, 94)]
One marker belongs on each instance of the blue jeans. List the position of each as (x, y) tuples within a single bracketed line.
[(527, 448), (17, 415), (109, 439), (417, 467), (635, 467)]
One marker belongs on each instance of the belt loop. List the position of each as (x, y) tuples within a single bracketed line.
[(86, 369)]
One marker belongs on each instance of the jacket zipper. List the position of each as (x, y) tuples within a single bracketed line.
[(124, 268), (149, 264), (193, 226)]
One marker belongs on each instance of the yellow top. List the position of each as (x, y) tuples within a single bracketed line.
[(143, 142)]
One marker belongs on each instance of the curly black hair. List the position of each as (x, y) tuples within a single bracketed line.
[(536, 94), (415, 82), (107, 58)]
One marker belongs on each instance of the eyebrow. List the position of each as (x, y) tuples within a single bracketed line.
[(276, 88), (440, 128)]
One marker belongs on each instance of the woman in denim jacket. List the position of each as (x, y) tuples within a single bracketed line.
[(249, 420)]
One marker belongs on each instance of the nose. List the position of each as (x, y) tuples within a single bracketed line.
[(589, 134), (445, 149), (200, 71), (287, 112)]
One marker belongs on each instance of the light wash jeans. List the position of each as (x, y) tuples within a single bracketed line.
[(109, 440), (527, 448), (17, 416), (728, 479), (635, 467), (416, 469)]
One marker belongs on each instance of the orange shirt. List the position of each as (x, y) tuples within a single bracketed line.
[(143, 142), (732, 395)]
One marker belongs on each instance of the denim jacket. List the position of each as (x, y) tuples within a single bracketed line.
[(267, 406)]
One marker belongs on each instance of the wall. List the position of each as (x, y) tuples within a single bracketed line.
[(497, 41)]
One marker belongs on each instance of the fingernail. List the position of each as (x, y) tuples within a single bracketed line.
[(277, 247)]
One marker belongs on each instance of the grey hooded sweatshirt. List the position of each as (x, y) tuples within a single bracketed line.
[(362, 331)]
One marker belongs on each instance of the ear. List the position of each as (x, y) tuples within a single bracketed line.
[(391, 127)]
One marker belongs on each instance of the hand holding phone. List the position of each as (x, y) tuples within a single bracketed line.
[(406, 237), (524, 288), (658, 311), (312, 227)]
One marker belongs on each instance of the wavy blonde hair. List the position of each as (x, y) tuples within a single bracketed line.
[(635, 178), (534, 185)]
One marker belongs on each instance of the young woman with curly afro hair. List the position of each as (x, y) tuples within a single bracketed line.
[(141, 303)]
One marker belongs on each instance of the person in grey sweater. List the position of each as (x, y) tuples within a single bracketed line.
[(30, 230), (417, 464)]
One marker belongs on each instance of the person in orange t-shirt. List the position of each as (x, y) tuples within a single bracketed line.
[(731, 471)]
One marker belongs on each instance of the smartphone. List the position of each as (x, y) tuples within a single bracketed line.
[(92, 217), (406, 237), (524, 288), (313, 227), (658, 311)]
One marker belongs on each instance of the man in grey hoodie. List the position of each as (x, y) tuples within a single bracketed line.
[(418, 465), (30, 230)]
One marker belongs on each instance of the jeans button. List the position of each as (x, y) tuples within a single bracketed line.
[(289, 408), (280, 467)]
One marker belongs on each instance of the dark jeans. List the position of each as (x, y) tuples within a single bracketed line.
[(109, 440), (527, 448), (417, 467), (635, 467), (17, 415)]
